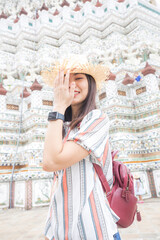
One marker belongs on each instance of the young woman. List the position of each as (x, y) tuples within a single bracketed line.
[(79, 208), (139, 190)]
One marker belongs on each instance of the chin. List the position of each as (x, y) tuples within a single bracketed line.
[(74, 103)]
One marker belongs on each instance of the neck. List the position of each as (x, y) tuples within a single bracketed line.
[(74, 111)]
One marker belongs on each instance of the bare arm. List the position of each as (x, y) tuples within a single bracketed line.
[(57, 155)]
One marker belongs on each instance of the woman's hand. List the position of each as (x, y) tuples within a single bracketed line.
[(63, 93)]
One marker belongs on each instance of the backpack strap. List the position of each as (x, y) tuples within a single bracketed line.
[(99, 171), (114, 153)]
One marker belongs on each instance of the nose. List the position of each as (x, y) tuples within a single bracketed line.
[(71, 79)]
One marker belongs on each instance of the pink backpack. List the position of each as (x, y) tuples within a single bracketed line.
[(121, 197)]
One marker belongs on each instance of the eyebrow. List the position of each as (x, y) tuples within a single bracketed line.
[(77, 74), (74, 74)]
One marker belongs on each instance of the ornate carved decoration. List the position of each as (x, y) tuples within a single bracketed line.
[(23, 11), (148, 70), (102, 95), (12, 107), (77, 8), (16, 20), (121, 93), (112, 76), (128, 80), (25, 93), (29, 105), (47, 102), (65, 3), (55, 13), (44, 7), (84, 1), (140, 90), (36, 86), (3, 91), (98, 4), (3, 15)]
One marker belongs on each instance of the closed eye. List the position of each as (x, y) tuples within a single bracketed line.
[(78, 78)]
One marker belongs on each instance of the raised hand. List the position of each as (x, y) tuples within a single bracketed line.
[(63, 91)]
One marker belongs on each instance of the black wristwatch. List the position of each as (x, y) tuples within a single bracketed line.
[(52, 116)]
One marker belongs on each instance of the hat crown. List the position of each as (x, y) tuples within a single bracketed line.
[(76, 64)]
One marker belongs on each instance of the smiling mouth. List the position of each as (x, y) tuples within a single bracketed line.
[(76, 93)]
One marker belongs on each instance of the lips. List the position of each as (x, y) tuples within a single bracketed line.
[(76, 93)]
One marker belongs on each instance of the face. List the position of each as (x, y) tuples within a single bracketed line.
[(81, 87)]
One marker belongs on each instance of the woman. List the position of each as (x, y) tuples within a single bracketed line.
[(139, 190), (79, 208)]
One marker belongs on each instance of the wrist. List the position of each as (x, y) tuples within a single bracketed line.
[(52, 116), (59, 109)]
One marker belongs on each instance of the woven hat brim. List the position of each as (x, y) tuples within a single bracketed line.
[(99, 72)]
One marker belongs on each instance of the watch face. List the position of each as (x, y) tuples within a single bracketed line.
[(52, 116), (55, 115)]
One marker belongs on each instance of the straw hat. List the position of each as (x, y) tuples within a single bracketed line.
[(76, 64)]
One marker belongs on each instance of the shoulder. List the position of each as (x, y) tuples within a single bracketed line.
[(95, 115)]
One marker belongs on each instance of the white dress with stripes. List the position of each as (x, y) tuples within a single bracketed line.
[(79, 208)]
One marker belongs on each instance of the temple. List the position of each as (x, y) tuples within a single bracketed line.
[(125, 35)]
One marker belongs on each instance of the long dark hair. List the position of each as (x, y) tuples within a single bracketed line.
[(87, 105)]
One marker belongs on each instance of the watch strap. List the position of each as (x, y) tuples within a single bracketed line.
[(52, 116)]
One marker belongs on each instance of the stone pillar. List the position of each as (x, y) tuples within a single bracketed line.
[(12, 194), (151, 183), (28, 195)]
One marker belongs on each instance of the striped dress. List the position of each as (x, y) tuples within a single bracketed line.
[(79, 208)]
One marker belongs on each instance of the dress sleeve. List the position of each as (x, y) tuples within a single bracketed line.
[(93, 134)]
